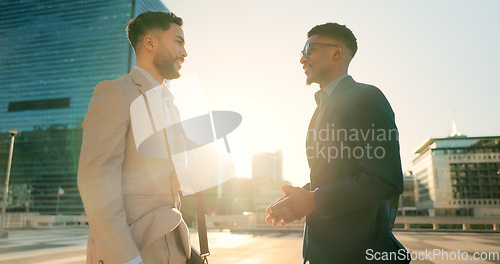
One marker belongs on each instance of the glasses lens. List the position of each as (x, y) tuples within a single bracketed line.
[(305, 52)]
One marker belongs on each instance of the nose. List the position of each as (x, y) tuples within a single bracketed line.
[(183, 52), (303, 59)]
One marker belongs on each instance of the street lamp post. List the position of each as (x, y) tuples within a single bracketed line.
[(13, 134)]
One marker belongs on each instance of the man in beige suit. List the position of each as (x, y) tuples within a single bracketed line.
[(131, 198)]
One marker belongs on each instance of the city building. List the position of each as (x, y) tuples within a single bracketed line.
[(458, 176), (407, 198), (52, 55), (267, 165), (267, 178)]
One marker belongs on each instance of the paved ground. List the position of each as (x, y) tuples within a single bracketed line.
[(67, 246)]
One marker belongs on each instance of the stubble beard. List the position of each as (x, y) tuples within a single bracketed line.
[(164, 63), (309, 81), (315, 77)]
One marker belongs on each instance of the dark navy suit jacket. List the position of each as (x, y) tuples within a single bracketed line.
[(356, 172)]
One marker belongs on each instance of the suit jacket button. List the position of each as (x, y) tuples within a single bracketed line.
[(101, 262)]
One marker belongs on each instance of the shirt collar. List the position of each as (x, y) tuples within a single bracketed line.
[(331, 86), (148, 76), (160, 89)]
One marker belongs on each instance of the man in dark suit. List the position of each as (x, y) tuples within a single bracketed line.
[(353, 153)]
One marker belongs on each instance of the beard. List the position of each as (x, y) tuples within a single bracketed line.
[(315, 76), (310, 78), (309, 81), (164, 63)]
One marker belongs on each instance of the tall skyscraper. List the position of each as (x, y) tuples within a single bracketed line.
[(266, 178), (52, 55), (458, 176)]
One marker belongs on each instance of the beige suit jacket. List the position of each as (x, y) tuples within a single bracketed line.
[(130, 200)]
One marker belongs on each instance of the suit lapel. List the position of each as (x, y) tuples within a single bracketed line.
[(331, 103), (140, 81), (153, 112), (335, 97), (309, 138), (154, 106)]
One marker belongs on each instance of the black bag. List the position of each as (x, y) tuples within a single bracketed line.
[(195, 257)]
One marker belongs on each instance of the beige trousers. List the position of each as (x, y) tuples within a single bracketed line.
[(166, 250)]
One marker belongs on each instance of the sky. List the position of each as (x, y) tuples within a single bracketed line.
[(426, 56)]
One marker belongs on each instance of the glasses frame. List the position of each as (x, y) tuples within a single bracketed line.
[(305, 52)]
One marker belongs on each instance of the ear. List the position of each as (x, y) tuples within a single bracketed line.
[(338, 52), (149, 42)]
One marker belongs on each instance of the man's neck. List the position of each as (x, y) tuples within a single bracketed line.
[(330, 78), (152, 71)]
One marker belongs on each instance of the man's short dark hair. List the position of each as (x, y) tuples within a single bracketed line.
[(337, 32), (144, 22)]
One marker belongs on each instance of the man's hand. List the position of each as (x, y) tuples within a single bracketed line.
[(287, 190), (295, 204)]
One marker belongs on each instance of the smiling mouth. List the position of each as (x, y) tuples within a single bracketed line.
[(179, 61), (306, 68)]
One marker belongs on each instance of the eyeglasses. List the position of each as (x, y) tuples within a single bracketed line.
[(306, 52)]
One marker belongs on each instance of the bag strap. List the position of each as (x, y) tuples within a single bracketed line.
[(202, 226)]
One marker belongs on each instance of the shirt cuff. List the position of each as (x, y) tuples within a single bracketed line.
[(136, 260)]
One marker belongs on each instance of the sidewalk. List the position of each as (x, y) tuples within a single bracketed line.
[(44, 246), (68, 246)]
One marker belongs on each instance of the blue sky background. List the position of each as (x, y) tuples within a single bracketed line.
[(426, 56)]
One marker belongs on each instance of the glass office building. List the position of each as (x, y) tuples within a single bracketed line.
[(458, 176), (52, 55)]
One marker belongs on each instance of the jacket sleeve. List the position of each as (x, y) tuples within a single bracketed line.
[(378, 177), (100, 174)]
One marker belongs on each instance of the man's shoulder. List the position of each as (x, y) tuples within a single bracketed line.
[(118, 85), (363, 93), (121, 81), (364, 87)]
